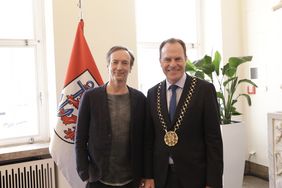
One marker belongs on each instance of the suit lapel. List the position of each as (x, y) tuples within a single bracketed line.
[(164, 106), (133, 106), (105, 107)]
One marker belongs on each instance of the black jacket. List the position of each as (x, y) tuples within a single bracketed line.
[(93, 134), (198, 155)]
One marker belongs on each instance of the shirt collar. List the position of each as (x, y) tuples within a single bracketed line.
[(180, 83)]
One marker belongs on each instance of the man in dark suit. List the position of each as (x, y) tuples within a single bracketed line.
[(109, 136), (183, 144)]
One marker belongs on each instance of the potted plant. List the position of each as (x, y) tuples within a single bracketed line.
[(226, 80)]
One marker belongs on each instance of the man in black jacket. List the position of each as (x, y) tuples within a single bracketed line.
[(183, 144), (110, 127)]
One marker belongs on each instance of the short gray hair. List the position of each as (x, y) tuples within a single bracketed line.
[(117, 48)]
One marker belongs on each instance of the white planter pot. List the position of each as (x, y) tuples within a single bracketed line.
[(233, 136)]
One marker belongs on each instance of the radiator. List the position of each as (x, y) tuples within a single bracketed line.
[(31, 174)]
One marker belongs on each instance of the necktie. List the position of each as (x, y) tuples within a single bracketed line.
[(172, 104)]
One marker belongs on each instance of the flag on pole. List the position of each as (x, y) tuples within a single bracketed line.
[(82, 74)]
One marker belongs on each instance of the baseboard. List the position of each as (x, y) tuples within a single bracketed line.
[(257, 170)]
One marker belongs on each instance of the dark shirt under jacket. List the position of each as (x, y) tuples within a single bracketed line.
[(119, 172), (198, 155), (93, 134)]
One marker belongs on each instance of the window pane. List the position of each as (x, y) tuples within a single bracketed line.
[(158, 20), (19, 26), (18, 99)]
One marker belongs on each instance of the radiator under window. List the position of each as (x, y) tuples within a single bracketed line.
[(31, 174)]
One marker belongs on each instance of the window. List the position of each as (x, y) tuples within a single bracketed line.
[(159, 20), (23, 72)]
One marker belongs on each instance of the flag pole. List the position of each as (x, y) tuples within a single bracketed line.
[(82, 74), (80, 7)]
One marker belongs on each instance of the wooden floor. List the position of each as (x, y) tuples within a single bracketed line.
[(254, 182)]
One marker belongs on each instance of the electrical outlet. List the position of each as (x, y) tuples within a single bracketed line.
[(252, 154)]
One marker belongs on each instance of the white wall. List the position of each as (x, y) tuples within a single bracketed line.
[(250, 27), (262, 34), (106, 23), (232, 45)]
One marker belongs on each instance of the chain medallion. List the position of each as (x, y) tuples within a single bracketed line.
[(171, 137)]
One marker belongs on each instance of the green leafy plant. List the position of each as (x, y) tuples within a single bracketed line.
[(225, 78)]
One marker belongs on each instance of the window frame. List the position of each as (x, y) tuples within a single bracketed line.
[(189, 46), (44, 73)]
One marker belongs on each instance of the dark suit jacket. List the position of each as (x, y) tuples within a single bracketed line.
[(93, 133), (198, 155)]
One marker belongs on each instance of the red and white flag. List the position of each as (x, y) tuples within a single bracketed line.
[(82, 74)]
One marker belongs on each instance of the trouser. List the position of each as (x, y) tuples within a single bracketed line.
[(172, 181)]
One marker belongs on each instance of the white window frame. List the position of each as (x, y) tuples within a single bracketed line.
[(45, 74)]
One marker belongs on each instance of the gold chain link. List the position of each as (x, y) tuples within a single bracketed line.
[(183, 108)]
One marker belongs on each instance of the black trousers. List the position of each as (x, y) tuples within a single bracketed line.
[(172, 181), (98, 184)]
